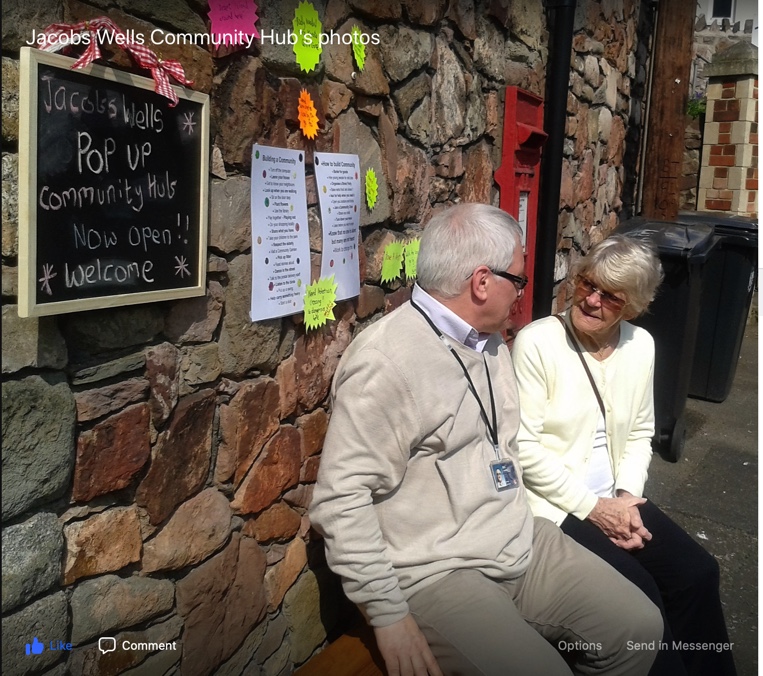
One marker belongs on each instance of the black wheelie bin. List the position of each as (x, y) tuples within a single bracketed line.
[(728, 282), (672, 319)]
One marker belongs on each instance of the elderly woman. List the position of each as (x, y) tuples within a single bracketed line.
[(585, 382)]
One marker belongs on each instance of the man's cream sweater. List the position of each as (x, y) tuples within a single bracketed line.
[(560, 414), (405, 493)]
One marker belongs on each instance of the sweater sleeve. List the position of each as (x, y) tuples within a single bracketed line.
[(543, 470), (633, 467), (374, 425)]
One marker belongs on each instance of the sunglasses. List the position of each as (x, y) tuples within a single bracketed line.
[(516, 280), (608, 299)]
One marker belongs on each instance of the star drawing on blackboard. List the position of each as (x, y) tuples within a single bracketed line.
[(47, 275), (182, 266), (188, 124)]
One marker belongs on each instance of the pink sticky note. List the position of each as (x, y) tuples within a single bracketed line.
[(233, 22)]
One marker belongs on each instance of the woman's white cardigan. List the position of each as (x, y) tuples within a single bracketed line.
[(559, 412)]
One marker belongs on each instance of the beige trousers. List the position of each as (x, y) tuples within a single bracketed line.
[(569, 613)]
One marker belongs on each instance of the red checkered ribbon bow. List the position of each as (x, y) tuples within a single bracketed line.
[(59, 35)]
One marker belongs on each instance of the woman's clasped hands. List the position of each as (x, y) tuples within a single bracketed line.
[(620, 520)]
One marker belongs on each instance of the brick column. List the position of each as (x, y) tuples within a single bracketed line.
[(728, 179)]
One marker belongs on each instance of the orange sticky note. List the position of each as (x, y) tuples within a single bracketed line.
[(308, 115)]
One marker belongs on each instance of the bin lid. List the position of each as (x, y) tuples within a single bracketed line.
[(743, 227), (672, 239)]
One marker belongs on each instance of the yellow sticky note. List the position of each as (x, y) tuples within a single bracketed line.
[(372, 188), (307, 28), (320, 299), (411, 256), (358, 48), (392, 262), (307, 115)]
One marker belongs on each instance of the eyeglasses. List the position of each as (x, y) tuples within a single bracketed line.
[(608, 299), (516, 280)]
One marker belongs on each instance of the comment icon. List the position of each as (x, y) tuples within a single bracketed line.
[(107, 644)]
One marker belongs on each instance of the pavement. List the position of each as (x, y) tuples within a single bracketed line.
[(712, 492)]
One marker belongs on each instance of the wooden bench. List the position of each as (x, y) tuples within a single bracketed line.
[(354, 653)]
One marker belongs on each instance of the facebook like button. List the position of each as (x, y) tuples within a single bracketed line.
[(35, 647)]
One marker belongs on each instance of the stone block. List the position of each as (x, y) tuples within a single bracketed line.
[(110, 603), (101, 401), (162, 372), (313, 427), (245, 345), (10, 100), (181, 458), (748, 110), (221, 602), (356, 138), (113, 329), (477, 182), (102, 543), (10, 280), (257, 408), (278, 522), (109, 369), (736, 178), (198, 528), (280, 577), (710, 136), (38, 443), (309, 612), (448, 96), (230, 220), (112, 453), (743, 155), (31, 558), (195, 320), (10, 205), (276, 470), (31, 342), (42, 620), (404, 50), (199, 364)]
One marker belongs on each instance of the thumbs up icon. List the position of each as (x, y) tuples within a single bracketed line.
[(35, 648)]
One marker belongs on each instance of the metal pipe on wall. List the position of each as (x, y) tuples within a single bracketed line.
[(561, 19)]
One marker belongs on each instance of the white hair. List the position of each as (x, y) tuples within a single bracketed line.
[(460, 239)]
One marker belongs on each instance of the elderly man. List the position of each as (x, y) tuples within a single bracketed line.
[(419, 493)]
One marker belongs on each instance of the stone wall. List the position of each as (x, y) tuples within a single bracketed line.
[(158, 460)]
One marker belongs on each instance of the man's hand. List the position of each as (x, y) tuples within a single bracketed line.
[(405, 650), (614, 516)]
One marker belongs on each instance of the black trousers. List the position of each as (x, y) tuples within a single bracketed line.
[(681, 579)]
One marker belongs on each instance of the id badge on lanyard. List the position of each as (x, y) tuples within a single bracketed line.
[(503, 473)]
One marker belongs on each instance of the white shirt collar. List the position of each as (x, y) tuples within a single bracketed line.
[(448, 321)]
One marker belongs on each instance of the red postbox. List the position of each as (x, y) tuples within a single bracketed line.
[(519, 178)]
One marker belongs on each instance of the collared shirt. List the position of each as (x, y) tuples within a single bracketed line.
[(448, 321)]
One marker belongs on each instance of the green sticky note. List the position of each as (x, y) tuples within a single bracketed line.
[(327, 293), (372, 188), (411, 256), (392, 262), (320, 299), (358, 48), (307, 29)]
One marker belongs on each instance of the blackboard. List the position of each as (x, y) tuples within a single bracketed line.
[(113, 186)]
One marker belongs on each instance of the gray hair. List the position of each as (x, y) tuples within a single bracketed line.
[(460, 239), (626, 264)]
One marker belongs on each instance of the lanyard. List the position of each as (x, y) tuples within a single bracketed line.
[(492, 430)]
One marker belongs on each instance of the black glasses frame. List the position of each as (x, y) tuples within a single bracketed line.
[(519, 282), (607, 298)]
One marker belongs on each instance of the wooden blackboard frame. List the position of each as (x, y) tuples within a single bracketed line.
[(28, 303)]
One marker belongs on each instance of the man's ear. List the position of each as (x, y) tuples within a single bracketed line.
[(480, 280)]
